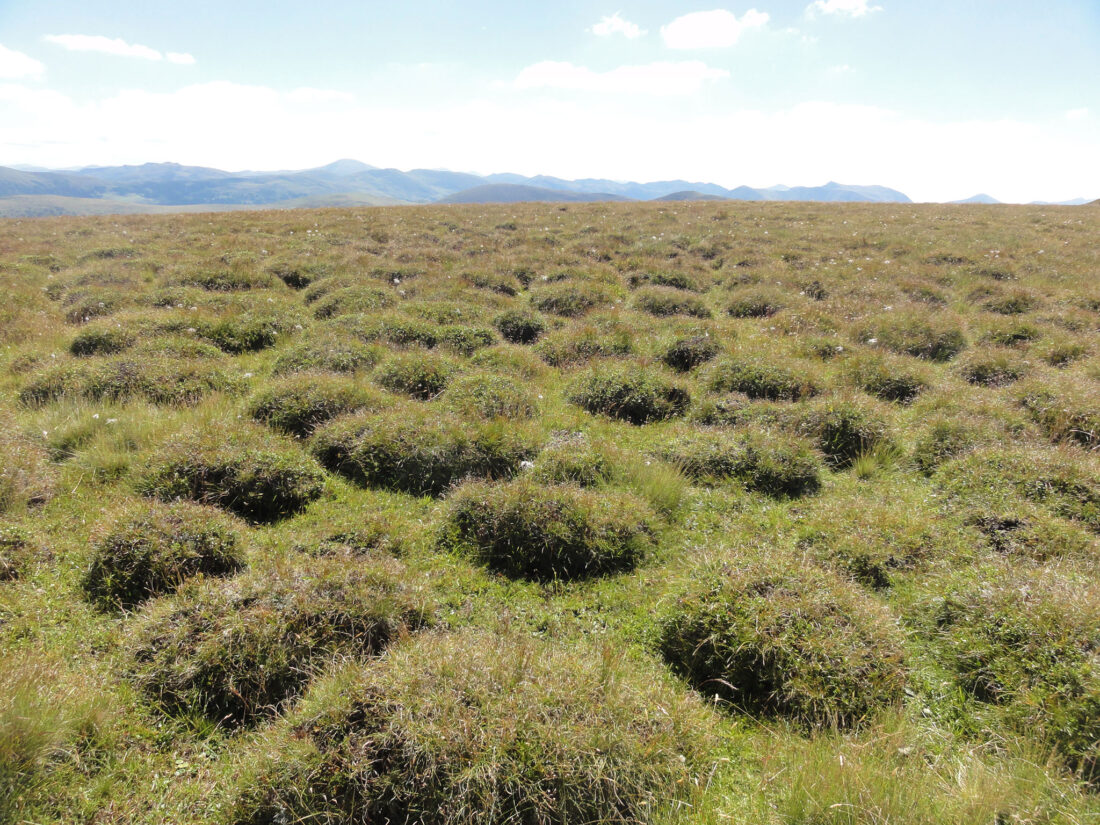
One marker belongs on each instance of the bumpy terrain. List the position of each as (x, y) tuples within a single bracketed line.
[(616, 513)]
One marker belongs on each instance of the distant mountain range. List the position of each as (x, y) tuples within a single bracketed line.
[(166, 187)]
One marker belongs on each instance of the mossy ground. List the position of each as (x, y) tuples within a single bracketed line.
[(559, 452)]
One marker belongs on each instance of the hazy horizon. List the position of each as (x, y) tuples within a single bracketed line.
[(939, 101)]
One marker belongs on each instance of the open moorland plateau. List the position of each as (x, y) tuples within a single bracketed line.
[(701, 512)]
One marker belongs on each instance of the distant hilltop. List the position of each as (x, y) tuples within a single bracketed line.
[(171, 187)]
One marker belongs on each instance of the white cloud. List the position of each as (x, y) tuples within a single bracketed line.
[(851, 8), (715, 29), (615, 24), (310, 95), (661, 78), (104, 45), (115, 46), (1077, 114), (844, 68), (15, 64)]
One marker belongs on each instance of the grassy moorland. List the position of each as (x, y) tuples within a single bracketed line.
[(694, 513)]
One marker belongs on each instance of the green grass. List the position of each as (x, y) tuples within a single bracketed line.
[(657, 513)]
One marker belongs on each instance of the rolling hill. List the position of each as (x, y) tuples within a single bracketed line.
[(349, 182), (518, 193)]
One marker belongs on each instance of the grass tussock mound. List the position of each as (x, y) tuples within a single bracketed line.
[(686, 353), (352, 300), (236, 650), (764, 463), (632, 393), (993, 368), (776, 638), (1066, 410), (14, 550), (519, 326), (101, 339), (327, 352), (420, 451), (27, 479), (1027, 644), (932, 338), (993, 482), (573, 458), (759, 302), (419, 375), (887, 378), (761, 380), (300, 404), (526, 530), (513, 730), (570, 299), (152, 548), (844, 430), (576, 345), (489, 395), (259, 477), (163, 380), (665, 301), (248, 331)]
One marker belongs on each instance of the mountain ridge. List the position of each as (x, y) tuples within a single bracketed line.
[(139, 187)]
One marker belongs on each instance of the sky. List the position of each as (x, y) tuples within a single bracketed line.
[(941, 99)]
